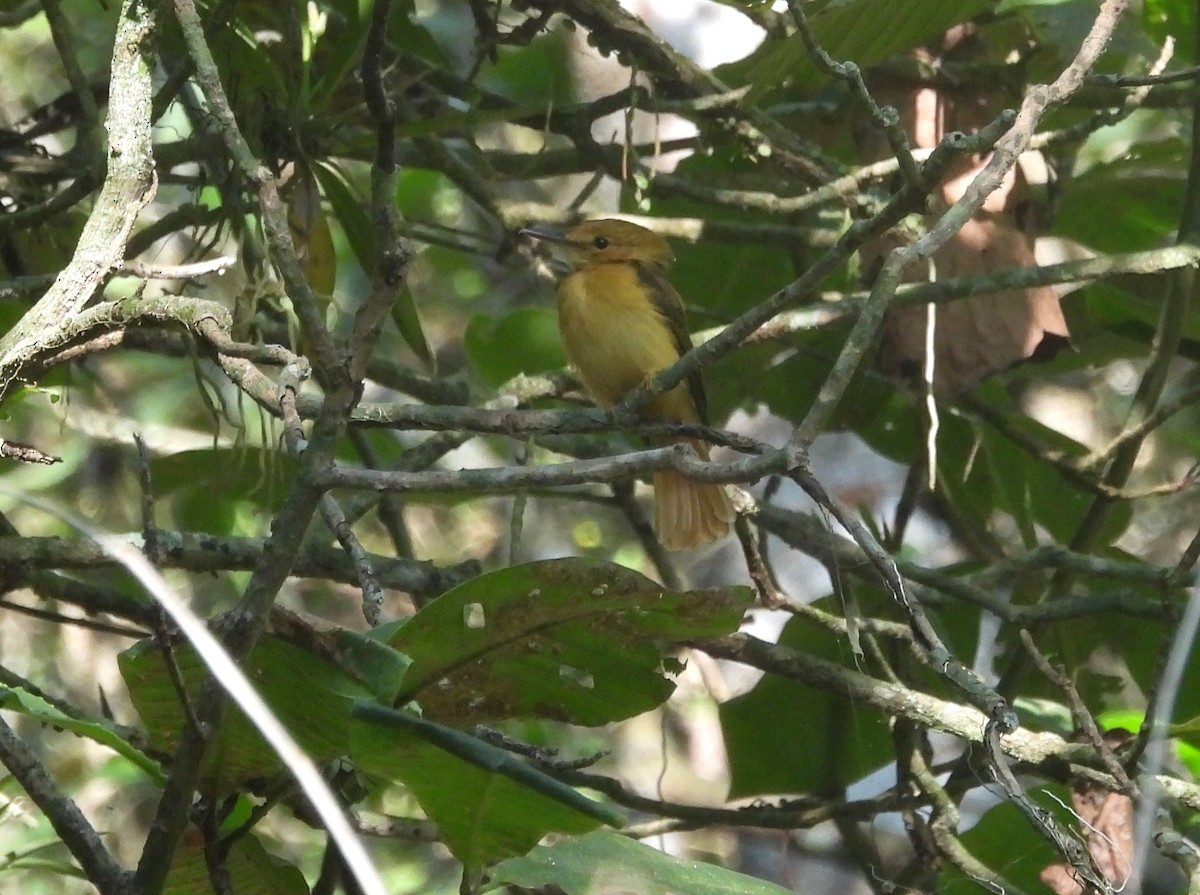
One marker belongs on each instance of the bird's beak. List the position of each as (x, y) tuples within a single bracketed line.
[(545, 234), (558, 263)]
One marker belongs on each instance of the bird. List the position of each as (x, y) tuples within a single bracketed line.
[(621, 322)]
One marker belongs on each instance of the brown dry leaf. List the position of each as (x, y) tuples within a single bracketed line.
[(1060, 880), (1107, 819), (1110, 839), (983, 334)]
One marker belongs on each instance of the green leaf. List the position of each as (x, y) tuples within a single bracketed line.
[(29, 864), (574, 640), (1135, 316), (604, 861), (727, 279), (525, 341), (408, 322), (722, 277), (243, 49), (791, 384), (487, 804), (252, 870), (540, 73), (861, 31), (213, 481), (1009, 5), (420, 192), (350, 212), (98, 730), (338, 49), (982, 470), (1140, 643), (785, 737), (1150, 179), (746, 4), (312, 695), (1004, 839), (415, 40), (483, 755), (1172, 18), (365, 657)]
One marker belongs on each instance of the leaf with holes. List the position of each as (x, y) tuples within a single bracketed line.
[(572, 640)]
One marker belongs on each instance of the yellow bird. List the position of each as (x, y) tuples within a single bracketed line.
[(621, 322)]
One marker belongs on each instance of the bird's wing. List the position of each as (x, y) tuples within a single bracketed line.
[(670, 306)]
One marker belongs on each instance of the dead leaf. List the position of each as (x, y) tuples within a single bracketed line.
[(983, 334), (1106, 819)]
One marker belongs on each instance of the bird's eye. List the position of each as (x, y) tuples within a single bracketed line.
[(600, 242)]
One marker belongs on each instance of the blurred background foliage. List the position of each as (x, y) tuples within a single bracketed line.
[(710, 122)]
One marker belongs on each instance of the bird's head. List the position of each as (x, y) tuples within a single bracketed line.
[(608, 241)]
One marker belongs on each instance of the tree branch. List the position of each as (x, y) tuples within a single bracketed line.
[(128, 187), (1047, 752), (64, 815)]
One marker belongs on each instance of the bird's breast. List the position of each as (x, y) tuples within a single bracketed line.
[(612, 331)]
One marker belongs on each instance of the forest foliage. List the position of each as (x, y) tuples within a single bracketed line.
[(276, 355)]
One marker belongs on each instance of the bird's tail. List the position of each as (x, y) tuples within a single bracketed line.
[(688, 513)]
